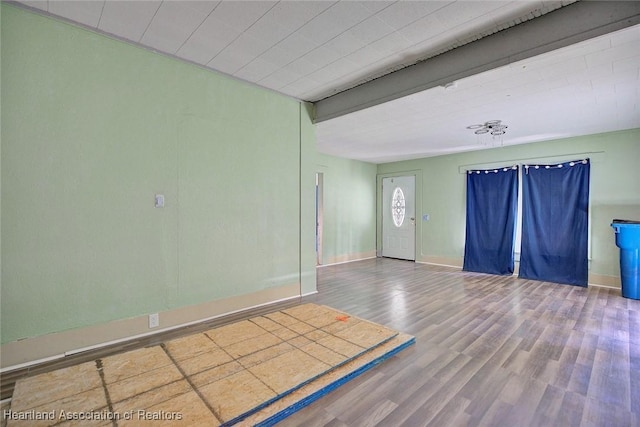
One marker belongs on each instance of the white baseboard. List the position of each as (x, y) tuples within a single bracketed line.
[(344, 259)]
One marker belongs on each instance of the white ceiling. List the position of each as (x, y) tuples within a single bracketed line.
[(311, 50), (587, 88)]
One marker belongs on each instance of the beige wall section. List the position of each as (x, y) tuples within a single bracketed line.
[(56, 345)]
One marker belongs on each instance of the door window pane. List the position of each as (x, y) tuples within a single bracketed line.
[(398, 207)]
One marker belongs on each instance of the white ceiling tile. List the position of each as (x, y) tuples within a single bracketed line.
[(288, 59), (229, 62), (625, 36), (302, 66), (391, 44), (581, 87), (402, 13), (128, 19), (367, 55), (297, 45), (615, 53), (224, 25), (607, 100), (86, 12), (421, 30), (370, 30), (245, 46), (344, 44), (207, 41), (279, 57), (256, 70), (603, 71), (174, 22), (285, 18), (241, 14), (629, 75), (338, 18), (602, 86), (204, 7), (626, 94), (465, 21), (340, 67), (375, 6), (244, 50), (269, 29), (322, 56), (625, 65), (567, 67), (460, 13), (280, 79), (554, 59)]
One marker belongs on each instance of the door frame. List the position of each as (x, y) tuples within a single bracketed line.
[(417, 174)]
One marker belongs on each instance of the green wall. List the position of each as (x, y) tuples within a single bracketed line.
[(614, 190), (92, 129), (349, 207), (308, 200)]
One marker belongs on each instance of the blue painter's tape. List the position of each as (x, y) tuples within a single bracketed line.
[(279, 416), (291, 390)]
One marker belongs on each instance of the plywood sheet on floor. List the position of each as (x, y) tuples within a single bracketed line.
[(258, 368)]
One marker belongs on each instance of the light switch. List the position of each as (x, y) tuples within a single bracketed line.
[(159, 201)]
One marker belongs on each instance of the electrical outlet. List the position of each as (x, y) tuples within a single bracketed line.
[(154, 320)]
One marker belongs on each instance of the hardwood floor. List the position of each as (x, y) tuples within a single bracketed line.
[(490, 350)]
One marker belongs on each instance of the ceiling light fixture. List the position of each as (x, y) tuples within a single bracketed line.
[(495, 128)]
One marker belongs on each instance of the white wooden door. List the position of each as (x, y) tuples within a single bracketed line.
[(399, 217)]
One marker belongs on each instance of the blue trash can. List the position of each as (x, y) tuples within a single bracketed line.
[(628, 240)]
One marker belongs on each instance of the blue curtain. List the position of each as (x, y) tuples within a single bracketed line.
[(555, 203), (492, 202)]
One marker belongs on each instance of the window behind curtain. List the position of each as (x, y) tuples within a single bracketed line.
[(555, 220)]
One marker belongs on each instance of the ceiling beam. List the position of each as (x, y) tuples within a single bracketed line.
[(568, 25)]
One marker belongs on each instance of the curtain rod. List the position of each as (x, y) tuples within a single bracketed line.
[(462, 169)]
